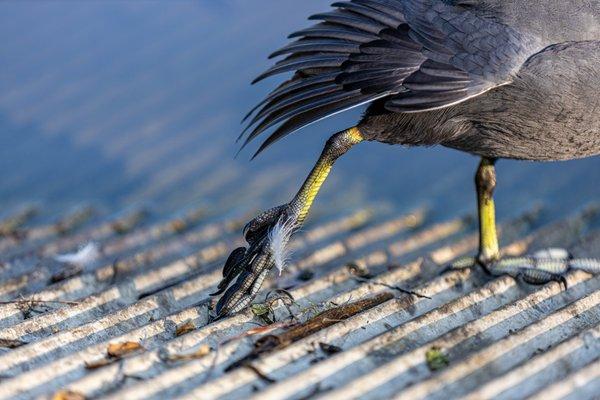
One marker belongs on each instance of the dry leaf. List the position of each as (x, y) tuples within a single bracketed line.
[(268, 328), (67, 395), (179, 226), (11, 343), (259, 330), (329, 348), (185, 327), (123, 348), (201, 352), (99, 363)]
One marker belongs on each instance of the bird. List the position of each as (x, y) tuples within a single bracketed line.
[(499, 79)]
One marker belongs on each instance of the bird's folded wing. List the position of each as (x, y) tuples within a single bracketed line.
[(417, 54), (468, 52)]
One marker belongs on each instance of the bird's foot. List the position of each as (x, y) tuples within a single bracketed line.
[(539, 268), (267, 236)]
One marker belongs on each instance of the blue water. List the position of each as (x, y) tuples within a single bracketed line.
[(117, 104)]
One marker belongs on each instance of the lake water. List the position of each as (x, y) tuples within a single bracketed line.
[(119, 104)]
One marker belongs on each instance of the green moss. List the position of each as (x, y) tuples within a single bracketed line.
[(436, 359), (260, 309)]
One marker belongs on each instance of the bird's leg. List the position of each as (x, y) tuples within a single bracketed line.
[(539, 268), (268, 234), (489, 250), (485, 182)]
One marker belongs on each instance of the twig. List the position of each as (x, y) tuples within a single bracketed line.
[(260, 330), (327, 318), (213, 365), (317, 390), (69, 303), (260, 374), (398, 288)]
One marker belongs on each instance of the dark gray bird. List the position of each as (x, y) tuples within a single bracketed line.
[(515, 79)]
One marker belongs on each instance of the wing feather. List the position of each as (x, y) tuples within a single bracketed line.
[(303, 61), (416, 55), (318, 45)]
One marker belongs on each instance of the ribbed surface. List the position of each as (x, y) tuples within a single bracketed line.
[(133, 102), (501, 339)]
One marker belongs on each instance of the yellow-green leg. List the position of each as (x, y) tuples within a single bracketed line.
[(268, 234), (538, 268), (485, 182)]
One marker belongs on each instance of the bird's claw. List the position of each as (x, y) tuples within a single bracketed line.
[(247, 267), (460, 263), (542, 267)]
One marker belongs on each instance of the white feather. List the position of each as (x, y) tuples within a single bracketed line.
[(279, 238), (85, 256)]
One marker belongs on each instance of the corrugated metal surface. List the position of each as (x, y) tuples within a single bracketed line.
[(349, 332)]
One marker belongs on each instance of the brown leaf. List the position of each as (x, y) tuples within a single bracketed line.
[(268, 328), (66, 273), (99, 363), (185, 327), (201, 352), (260, 330), (329, 348), (123, 348), (11, 343), (67, 395), (327, 318), (179, 226)]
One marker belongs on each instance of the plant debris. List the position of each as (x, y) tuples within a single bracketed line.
[(182, 224), (69, 272), (103, 362), (114, 352), (72, 222), (39, 302), (260, 330), (393, 287), (329, 349), (12, 226), (360, 270), (117, 350), (316, 390), (185, 327), (260, 309), (263, 311), (436, 359), (179, 226), (129, 222), (305, 275), (201, 352), (260, 374), (30, 307), (68, 395), (327, 318), (11, 343)]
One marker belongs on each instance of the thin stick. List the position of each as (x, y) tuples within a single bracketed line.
[(70, 303), (398, 288)]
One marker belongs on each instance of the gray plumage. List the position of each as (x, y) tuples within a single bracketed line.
[(497, 78)]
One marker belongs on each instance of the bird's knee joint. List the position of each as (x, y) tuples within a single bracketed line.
[(341, 142), (485, 179)]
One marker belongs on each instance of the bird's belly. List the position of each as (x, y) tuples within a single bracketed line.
[(551, 144)]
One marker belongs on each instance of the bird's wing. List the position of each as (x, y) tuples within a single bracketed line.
[(468, 53), (419, 54)]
